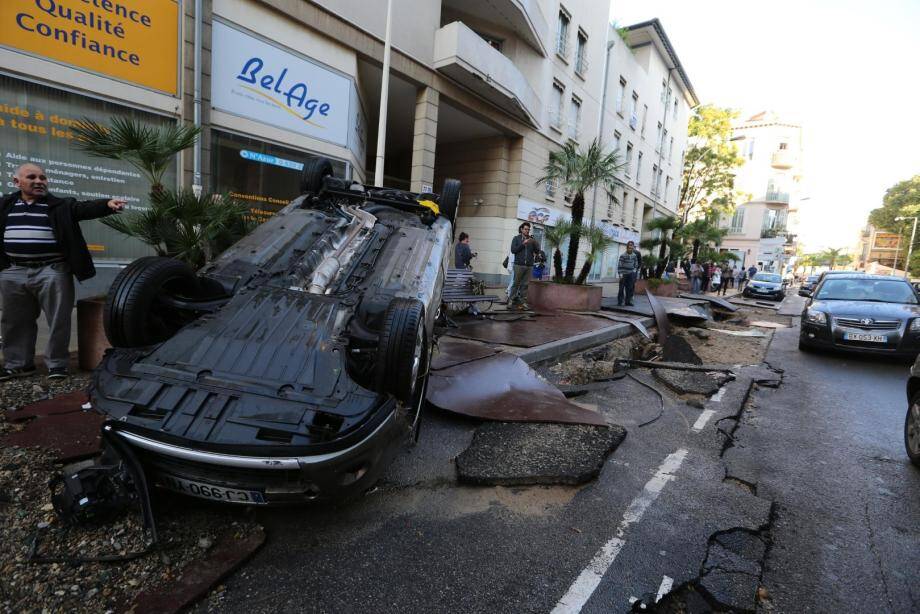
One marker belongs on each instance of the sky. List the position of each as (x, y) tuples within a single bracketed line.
[(846, 70)]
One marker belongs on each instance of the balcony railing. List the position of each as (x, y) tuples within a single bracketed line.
[(777, 197), (771, 233)]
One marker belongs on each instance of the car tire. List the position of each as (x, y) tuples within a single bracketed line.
[(912, 430), (129, 317), (449, 200), (314, 171), (402, 352), (804, 346)]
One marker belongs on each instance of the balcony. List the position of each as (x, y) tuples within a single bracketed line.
[(523, 17), (783, 159), (772, 233), (777, 197), (465, 57)]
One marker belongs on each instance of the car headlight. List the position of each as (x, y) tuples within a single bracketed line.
[(819, 317), (915, 325)]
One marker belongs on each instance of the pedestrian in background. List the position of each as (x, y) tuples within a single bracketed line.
[(523, 249), (627, 267), (463, 255), (696, 277), (751, 272), (716, 279), (727, 280), (539, 265), (43, 249), (704, 277)]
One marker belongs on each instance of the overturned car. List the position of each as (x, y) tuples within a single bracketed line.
[(294, 366)]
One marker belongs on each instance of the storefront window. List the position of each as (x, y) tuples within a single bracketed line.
[(35, 125), (264, 175)]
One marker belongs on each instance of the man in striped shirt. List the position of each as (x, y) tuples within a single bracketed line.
[(43, 249)]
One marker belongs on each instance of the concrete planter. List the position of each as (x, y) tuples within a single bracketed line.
[(661, 290), (91, 339), (549, 295)]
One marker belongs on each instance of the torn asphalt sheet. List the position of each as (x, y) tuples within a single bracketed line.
[(527, 333), (637, 323), (504, 388), (715, 300), (449, 353)]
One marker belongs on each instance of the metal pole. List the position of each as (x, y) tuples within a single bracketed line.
[(196, 104), (600, 123), (384, 93), (910, 250), (897, 252)]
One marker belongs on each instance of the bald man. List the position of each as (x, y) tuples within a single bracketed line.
[(43, 250)]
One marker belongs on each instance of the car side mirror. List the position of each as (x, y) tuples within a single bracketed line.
[(805, 293)]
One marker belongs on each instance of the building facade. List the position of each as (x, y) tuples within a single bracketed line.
[(763, 230), (480, 91)]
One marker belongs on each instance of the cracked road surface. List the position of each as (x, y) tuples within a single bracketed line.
[(817, 463), (827, 448)]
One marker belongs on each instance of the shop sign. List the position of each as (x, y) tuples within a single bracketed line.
[(265, 83), (539, 214), (620, 234), (131, 40)]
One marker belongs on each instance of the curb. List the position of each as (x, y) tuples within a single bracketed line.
[(583, 341)]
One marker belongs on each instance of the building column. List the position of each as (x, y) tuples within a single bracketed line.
[(425, 138)]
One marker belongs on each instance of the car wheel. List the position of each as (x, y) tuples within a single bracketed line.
[(402, 353), (912, 430), (804, 346), (314, 171), (130, 317), (450, 199)]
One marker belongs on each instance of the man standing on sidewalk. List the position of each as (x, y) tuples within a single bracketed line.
[(43, 249), (523, 248), (627, 266)]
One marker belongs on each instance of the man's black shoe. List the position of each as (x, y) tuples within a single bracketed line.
[(630, 305), (58, 373), (6, 374)]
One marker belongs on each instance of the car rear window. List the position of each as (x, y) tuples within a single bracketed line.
[(770, 277), (879, 291)]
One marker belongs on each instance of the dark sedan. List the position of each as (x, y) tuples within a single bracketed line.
[(765, 285), (876, 314), (808, 286)]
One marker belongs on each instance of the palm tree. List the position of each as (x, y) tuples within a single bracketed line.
[(194, 229), (149, 149), (700, 232), (577, 172), (665, 241), (554, 237), (598, 242), (832, 256)]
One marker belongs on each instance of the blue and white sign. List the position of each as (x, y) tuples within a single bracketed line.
[(620, 234), (255, 156), (265, 83)]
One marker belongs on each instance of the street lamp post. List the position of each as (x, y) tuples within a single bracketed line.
[(910, 247)]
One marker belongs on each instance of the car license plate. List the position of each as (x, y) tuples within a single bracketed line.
[(865, 337), (210, 491)]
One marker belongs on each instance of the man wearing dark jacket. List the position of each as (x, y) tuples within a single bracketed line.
[(43, 249), (523, 248)]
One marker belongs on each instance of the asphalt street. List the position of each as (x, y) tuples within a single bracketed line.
[(815, 468)]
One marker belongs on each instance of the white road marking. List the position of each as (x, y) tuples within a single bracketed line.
[(700, 423), (664, 588), (717, 397), (590, 578)]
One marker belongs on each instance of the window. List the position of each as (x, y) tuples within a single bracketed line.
[(667, 188), (637, 213), (581, 53), (629, 152), (550, 186), (670, 149), (750, 149), (675, 108), (555, 110), (667, 100), (783, 146), (613, 206), (658, 182), (737, 223), (664, 139), (644, 120), (623, 210), (658, 138), (621, 94), (575, 118), (664, 89), (654, 174), (617, 141), (639, 168), (562, 34)]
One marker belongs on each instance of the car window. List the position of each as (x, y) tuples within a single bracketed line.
[(885, 291), (771, 277), (813, 278)]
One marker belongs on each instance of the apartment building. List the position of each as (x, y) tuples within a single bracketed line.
[(763, 231), (649, 99), (481, 91)]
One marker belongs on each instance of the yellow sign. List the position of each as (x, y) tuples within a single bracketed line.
[(131, 40)]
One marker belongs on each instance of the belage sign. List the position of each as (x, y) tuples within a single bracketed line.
[(131, 40)]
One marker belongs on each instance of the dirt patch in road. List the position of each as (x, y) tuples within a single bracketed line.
[(722, 348)]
